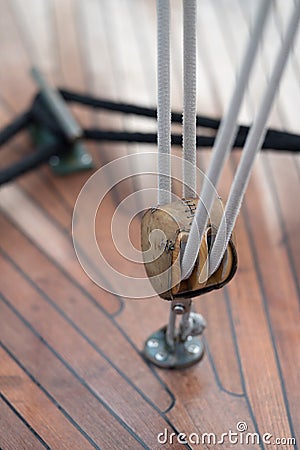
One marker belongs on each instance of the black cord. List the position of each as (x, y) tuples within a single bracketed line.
[(31, 161), (128, 108), (275, 140), (21, 122), (40, 115)]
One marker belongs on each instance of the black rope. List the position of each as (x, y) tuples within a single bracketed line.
[(31, 161), (275, 140), (128, 108), (40, 116), (13, 128)]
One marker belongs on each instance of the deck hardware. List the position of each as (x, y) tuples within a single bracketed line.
[(164, 267), (77, 158), (177, 347), (42, 123), (180, 345)]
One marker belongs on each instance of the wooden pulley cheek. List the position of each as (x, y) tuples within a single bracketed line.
[(165, 231)]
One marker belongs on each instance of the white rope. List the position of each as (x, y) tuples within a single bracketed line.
[(253, 145), (223, 144), (189, 97), (163, 102)]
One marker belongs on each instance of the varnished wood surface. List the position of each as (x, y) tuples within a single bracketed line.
[(71, 372)]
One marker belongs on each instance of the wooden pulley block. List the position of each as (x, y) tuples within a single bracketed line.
[(165, 231)]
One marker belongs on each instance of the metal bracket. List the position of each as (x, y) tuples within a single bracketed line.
[(77, 158), (177, 349)]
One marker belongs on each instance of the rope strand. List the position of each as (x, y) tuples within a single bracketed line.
[(224, 141), (253, 145), (163, 102), (189, 97)]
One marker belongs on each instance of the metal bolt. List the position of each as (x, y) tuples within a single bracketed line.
[(193, 349), (152, 343), (161, 356), (85, 159), (179, 309), (54, 160)]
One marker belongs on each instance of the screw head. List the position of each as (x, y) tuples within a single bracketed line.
[(152, 343), (193, 349), (54, 160), (161, 356), (85, 159), (179, 308)]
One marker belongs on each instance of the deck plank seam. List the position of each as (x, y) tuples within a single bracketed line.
[(77, 329), (30, 428), (236, 344), (74, 373), (50, 397), (280, 215), (87, 295), (261, 286)]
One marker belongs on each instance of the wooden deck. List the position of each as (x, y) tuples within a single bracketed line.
[(71, 372)]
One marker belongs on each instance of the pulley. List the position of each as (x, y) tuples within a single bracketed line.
[(188, 238), (165, 230)]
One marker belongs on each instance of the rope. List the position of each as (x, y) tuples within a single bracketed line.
[(29, 162), (274, 140), (252, 146), (224, 141), (163, 102), (189, 97), (39, 115), (19, 123), (129, 108)]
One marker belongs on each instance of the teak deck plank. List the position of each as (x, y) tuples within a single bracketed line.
[(67, 391), (86, 316), (71, 373), (44, 417), (15, 431)]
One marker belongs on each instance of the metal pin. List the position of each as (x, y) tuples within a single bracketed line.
[(178, 307), (170, 333)]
